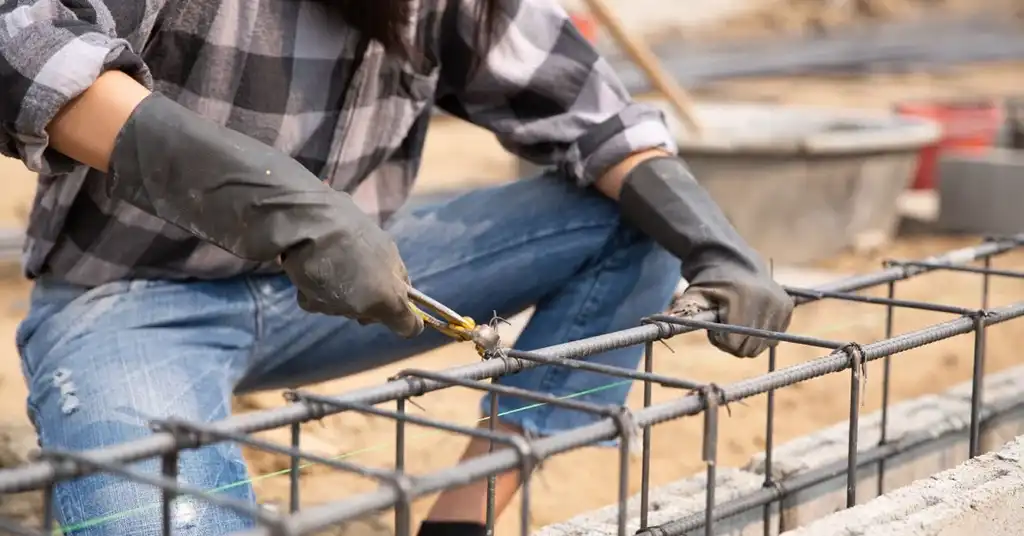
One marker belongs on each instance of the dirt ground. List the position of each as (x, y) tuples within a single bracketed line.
[(582, 480)]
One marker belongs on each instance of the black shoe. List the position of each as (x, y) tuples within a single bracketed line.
[(451, 528)]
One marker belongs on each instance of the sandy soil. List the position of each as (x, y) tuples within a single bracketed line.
[(575, 482)]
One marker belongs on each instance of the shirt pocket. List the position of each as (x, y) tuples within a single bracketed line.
[(405, 92), (385, 98)]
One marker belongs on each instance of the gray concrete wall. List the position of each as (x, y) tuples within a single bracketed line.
[(671, 502), (984, 496), (924, 418), (980, 193), (920, 421)]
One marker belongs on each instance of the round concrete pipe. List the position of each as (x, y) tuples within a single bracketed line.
[(801, 183)]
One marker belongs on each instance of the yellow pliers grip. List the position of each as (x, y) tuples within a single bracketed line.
[(446, 321), (452, 324)]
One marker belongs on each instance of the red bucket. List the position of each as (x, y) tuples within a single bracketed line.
[(967, 126)]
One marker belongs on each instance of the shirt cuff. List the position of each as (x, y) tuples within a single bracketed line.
[(64, 75), (638, 127)]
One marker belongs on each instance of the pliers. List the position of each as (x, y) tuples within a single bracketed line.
[(453, 324)]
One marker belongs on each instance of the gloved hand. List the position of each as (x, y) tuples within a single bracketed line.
[(261, 205), (661, 198)]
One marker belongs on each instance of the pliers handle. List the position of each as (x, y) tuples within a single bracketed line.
[(440, 317), (454, 325)]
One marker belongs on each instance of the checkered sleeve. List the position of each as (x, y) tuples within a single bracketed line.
[(53, 50), (543, 90)]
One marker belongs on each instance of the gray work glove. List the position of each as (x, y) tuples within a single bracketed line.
[(661, 198), (260, 204)]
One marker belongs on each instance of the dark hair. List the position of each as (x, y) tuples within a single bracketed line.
[(386, 21)]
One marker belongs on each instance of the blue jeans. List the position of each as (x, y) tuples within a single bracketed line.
[(102, 362)]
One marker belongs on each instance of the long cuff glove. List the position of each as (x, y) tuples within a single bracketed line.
[(661, 198), (261, 205)]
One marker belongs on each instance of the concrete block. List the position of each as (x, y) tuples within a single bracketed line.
[(945, 414), (927, 417), (1002, 410), (672, 502), (981, 193), (982, 496)]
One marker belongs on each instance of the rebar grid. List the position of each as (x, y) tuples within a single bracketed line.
[(398, 489)]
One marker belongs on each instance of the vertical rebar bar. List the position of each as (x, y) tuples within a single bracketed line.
[(883, 435), (856, 368), (645, 464), (492, 423), (623, 481), (977, 379), (169, 468), (710, 456), (48, 516), (977, 384), (985, 282), (293, 475), (524, 507), (769, 442), (402, 514)]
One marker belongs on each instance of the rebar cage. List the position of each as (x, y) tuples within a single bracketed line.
[(633, 428)]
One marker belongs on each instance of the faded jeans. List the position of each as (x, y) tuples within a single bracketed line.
[(102, 362)]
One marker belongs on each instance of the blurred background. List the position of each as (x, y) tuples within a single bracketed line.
[(835, 134)]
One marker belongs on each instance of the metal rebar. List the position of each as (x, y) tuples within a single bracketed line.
[(169, 468), (623, 495), (424, 376), (492, 421), (49, 519), (799, 482), (889, 302), (526, 456), (616, 422), (780, 336), (883, 435), (322, 516), (712, 397), (857, 368), (977, 384), (35, 475), (295, 468), (769, 444), (617, 372), (645, 464), (272, 523), (986, 281), (402, 515), (959, 268)]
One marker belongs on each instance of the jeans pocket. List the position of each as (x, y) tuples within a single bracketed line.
[(54, 308)]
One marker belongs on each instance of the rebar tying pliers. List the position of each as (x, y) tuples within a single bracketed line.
[(454, 325)]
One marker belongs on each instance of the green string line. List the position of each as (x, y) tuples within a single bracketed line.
[(120, 515)]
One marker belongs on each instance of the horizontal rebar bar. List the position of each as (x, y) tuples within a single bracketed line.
[(618, 372), (903, 304), (36, 475), (320, 517)]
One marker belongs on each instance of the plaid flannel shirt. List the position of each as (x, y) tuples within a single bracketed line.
[(295, 76)]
